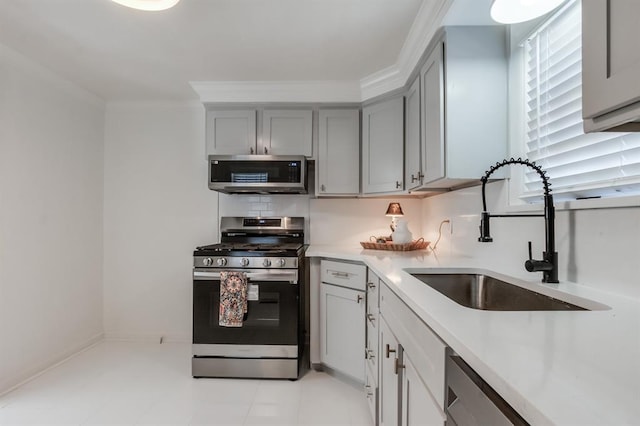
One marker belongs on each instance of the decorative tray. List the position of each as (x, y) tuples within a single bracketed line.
[(418, 244)]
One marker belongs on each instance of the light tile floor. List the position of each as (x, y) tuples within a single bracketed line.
[(124, 383)]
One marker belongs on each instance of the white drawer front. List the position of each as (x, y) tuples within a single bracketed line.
[(343, 274)]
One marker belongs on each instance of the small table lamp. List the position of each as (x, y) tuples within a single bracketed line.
[(394, 210)]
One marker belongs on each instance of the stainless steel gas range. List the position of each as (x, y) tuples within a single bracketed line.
[(270, 341)]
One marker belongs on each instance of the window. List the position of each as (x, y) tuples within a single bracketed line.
[(579, 165)]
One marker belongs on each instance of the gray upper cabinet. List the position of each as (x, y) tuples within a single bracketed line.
[(287, 132), (463, 106), (412, 163), (284, 132), (432, 78), (231, 132), (610, 65), (338, 165), (383, 147)]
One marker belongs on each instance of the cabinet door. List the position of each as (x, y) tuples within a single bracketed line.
[(338, 162), (388, 380), (418, 406), (412, 169), (383, 146), (342, 330), (287, 132), (433, 116), (231, 132), (611, 58)]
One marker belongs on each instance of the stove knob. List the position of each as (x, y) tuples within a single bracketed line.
[(244, 261), (266, 262), (207, 261), (221, 261), (281, 262)]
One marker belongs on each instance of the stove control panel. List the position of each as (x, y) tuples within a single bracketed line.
[(229, 262)]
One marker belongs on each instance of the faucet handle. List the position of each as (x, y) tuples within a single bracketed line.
[(532, 265)]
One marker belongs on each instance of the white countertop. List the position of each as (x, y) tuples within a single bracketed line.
[(553, 367)]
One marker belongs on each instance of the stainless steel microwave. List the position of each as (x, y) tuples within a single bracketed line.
[(258, 174)]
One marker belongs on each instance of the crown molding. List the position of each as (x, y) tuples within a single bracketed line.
[(277, 91), (428, 20)]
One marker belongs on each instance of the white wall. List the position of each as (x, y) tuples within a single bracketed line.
[(597, 247), (157, 209), (51, 135)]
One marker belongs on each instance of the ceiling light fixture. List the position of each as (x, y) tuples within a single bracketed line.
[(514, 11), (152, 5)]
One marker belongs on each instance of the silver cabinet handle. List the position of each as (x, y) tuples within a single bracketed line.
[(371, 318), (251, 150), (370, 354), (398, 184), (389, 350), (323, 188), (367, 389), (359, 298), (344, 275), (265, 150), (371, 285), (413, 178)]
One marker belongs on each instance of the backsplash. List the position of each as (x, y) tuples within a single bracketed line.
[(265, 206), (349, 221)]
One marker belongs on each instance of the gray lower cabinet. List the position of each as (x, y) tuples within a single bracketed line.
[(342, 317), (372, 348), (610, 65), (412, 367), (383, 147), (338, 165), (389, 380), (418, 405)]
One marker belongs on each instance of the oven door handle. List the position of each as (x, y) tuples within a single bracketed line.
[(277, 275)]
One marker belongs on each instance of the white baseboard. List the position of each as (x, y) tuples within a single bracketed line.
[(148, 337), (9, 384)]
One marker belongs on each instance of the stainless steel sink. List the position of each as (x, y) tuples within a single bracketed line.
[(479, 291)]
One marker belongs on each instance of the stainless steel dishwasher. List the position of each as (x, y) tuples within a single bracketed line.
[(471, 401)]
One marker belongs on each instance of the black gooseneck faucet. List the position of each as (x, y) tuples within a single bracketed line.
[(549, 264)]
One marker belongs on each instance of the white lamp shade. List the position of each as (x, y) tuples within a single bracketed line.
[(514, 11), (151, 5)]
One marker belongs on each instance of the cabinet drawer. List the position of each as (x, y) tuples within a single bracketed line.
[(343, 274), (428, 352)]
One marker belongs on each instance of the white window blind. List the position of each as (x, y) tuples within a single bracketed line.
[(579, 165)]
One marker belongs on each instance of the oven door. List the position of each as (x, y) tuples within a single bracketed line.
[(271, 325)]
